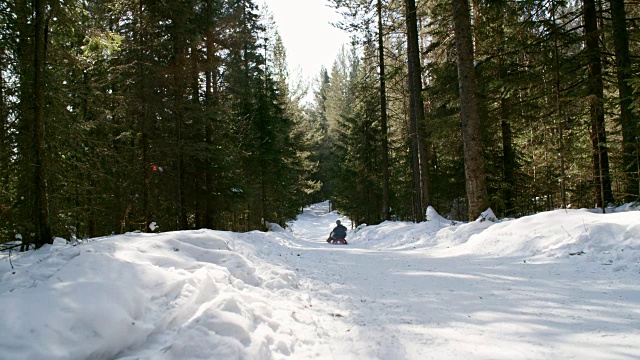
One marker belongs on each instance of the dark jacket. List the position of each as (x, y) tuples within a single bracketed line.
[(339, 232)]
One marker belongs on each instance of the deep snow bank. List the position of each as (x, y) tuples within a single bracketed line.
[(434, 232), (611, 239), (172, 295)]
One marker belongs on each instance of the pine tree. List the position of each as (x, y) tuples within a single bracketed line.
[(602, 179), (383, 115), (416, 108), (628, 120), (321, 145), (474, 163)]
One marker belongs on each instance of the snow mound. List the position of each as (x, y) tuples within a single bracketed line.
[(626, 207), (606, 238), (273, 227), (460, 234), (435, 232), (151, 296), (432, 215), (609, 239), (488, 215), (401, 235)]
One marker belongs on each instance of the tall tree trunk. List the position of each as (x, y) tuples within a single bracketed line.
[(182, 203), (628, 120), (602, 180), (561, 114), (211, 96), (24, 57), (200, 179), (143, 122), (180, 86), (146, 172), (41, 208), (383, 118), (475, 178), (508, 161), (508, 153), (5, 144), (416, 106), (425, 156), (211, 82)]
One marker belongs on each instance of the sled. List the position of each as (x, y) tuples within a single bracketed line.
[(341, 241)]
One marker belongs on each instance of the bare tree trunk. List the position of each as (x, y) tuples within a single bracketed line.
[(146, 171), (508, 161), (210, 94), (41, 208), (602, 180), (508, 153), (182, 204), (473, 159), (91, 228), (425, 156), (180, 85), (416, 106), (563, 121), (5, 147), (200, 179), (628, 121), (24, 143), (383, 119), (210, 181)]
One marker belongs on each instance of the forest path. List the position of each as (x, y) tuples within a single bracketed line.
[(408, 304)]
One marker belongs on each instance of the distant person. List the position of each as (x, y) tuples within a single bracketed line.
[(338, 234)]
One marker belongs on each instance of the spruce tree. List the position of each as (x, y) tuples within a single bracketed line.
[(628, 120), (473, 158)]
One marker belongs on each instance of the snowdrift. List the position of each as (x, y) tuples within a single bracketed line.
[(175, 295), (611, 239)]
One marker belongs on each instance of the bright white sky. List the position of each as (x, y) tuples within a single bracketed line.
[(307, 33)]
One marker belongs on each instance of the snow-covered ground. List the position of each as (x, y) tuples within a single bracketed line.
[(557, 285)]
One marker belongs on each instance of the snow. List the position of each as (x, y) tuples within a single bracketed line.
[(559, 284)]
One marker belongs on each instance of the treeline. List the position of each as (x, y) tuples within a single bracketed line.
[(522, 106), (127, 115)]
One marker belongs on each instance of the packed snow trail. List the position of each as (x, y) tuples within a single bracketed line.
[(409, 304)]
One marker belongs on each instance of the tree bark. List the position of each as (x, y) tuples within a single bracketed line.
[(628, 121), (182, 202), (41, 208), (508, 152), (5, 147), (180, 85), (211, 81), (602, 180), (416, 106), (383, 119), (509, 163), (200, 179), (475, 178), (559, 110)]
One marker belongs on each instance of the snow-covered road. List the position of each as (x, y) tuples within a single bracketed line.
[(411, 304)]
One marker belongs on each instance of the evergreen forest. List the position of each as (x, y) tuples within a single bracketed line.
[(159, 115)]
